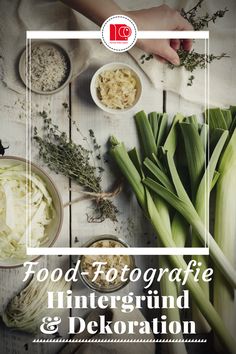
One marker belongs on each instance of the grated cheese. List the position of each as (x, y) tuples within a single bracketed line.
[(115, 261), (117, 88)]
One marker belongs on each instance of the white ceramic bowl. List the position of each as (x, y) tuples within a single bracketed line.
[(54, 228), (114, 66), (45, 44)]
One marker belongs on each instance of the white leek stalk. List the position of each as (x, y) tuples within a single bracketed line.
[(195, 138), (225, 233), (170, 288), (152, 132)]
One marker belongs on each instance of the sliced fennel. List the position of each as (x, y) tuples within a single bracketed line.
[(25, 205), (27, 309)]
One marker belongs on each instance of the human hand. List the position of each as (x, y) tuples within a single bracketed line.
[(162, 18)]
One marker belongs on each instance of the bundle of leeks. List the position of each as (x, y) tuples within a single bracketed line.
[(173, 202)]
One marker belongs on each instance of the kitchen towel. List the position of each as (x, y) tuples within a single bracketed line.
[(21, 15)]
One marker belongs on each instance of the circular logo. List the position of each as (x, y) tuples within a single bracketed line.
[(119, 33)]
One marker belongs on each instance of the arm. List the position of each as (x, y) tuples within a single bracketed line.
[(157, 18), (96, 10)]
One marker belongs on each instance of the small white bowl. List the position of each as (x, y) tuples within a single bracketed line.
[(94, 285), (54, 228), (114, 66), (45, 44)]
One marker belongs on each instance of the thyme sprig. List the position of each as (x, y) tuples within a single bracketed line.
[(193, 60), (64, 156), (200, 22)]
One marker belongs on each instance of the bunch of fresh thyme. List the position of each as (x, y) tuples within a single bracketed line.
[(64, 156), (200, 22), (193, 60)]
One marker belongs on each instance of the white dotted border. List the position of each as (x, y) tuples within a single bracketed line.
[(60, 340)]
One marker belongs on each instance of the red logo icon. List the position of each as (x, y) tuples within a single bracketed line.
[(120, 33)]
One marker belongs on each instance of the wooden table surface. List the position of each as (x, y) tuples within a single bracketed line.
[(131, 225)]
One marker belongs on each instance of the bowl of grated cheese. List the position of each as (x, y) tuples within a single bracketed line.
[(48, 66), (112, 264), (116, 88)]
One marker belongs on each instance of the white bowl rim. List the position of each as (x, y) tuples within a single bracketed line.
[(93, 87), (61, 216), (22, 65)]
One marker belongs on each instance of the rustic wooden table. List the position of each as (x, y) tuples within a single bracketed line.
[(131, 225)]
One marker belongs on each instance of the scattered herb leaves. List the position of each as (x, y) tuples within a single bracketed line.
[(190, 80), (146, 57), (65, 105), (67, 108)]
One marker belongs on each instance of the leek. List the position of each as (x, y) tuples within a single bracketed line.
[(181, 202), (155, 130), (195, 150), (161, 192), (225, 211), (167, 287), (146, 202)]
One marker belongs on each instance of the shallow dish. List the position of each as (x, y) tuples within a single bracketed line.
[(45, 44), (115, 66), (54, 228)]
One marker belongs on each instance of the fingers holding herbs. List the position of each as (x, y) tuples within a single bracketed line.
[(162, 18), (176, 52)]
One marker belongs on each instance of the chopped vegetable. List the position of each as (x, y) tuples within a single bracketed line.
[(26, 310), (25, 204)]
